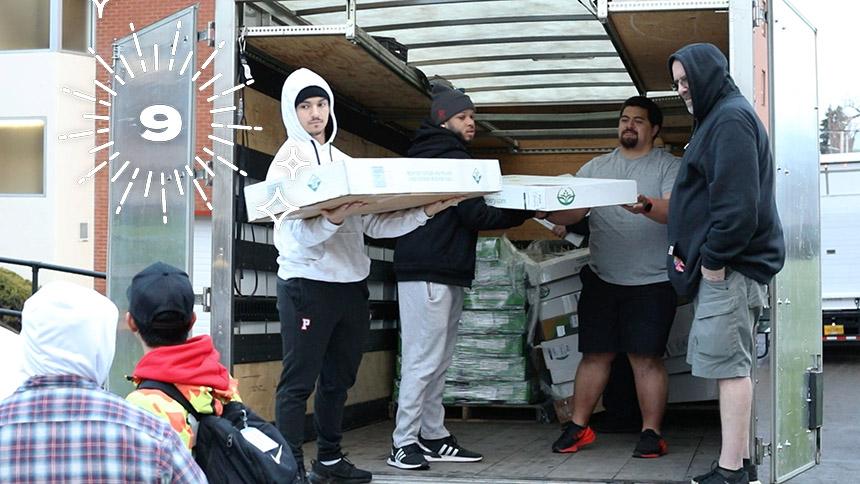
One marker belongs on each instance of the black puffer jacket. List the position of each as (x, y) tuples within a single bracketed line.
[(443, 250)]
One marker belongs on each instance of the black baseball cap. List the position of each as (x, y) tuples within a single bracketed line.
[(158, 289)]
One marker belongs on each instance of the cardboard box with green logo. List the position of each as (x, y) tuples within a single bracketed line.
[(385, 184), (553, 193)]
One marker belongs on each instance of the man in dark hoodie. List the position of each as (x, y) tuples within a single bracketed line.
[(433, 264), (726, 241)]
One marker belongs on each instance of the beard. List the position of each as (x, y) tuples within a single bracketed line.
[(629, 141)]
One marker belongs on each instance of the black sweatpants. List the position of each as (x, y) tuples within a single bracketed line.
[(324, 327)]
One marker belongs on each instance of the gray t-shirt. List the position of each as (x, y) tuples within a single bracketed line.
[(629, 249)]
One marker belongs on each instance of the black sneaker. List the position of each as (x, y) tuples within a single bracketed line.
[(573, 438), (409, 457), (301, 475), (752, 471), (343, 472), (718, 475), (447, 450), (651, 445)]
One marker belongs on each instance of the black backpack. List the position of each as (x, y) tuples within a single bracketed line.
[(223, 452)]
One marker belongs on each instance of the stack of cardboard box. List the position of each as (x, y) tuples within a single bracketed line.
[(554, 288)]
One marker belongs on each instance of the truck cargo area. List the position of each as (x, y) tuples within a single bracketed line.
[(519, 451)]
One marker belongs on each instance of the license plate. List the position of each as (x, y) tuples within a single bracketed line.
[(834, 330)]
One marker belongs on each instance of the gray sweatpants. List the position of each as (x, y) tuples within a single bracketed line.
[(429, 314)]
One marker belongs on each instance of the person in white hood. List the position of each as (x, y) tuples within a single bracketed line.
[(10, 361), (60, 425), (322, 287)]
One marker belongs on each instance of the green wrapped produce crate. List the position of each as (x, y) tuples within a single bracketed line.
[(487, 248), (500, 322), (494, 297), (472, 368), (495, 345), (520, 393), (499, 273)]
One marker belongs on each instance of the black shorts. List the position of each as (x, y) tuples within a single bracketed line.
[(624, 319)]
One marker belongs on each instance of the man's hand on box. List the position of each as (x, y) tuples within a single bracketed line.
[(643, 205), (560, 231), (338, 214), (432, 209)]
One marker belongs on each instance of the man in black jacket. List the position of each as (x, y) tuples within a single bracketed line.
[(726, 241), (433, 264)]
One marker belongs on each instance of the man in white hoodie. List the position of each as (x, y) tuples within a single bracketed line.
[(322, 287)]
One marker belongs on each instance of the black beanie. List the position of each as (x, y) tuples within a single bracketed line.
[(447, 102), (311, 91)]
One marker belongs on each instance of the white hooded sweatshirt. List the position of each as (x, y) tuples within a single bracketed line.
[(315, 248), (68, 329)]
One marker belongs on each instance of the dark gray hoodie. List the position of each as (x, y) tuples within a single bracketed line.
[(723, 212)]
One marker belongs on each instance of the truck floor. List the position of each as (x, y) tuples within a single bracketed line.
[(519, 452)]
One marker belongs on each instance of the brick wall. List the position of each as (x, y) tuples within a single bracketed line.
[(114, 26)]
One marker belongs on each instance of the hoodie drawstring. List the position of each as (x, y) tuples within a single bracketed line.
[(314, 146)]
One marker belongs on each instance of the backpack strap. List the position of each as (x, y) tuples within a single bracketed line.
[(171, 391)]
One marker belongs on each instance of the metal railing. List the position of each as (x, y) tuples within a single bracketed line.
[(35, 268)]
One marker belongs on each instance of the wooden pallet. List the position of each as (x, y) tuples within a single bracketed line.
[(542, 412)]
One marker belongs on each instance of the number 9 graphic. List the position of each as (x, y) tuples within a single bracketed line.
[(163, 123)]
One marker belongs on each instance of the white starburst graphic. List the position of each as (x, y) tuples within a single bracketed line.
[(163, 122), (273, 206), (294, 162)]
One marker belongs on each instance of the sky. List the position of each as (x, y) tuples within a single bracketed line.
[(838, 62)]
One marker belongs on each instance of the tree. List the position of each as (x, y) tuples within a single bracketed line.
[(14, 290), (837, 129)]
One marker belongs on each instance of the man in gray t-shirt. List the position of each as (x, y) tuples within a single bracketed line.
[(627, 304)]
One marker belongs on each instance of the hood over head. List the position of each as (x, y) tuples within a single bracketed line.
[(195, 362), (707, 74), (68, 329), (295, 83)]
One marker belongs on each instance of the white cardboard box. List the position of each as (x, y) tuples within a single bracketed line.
[(385, 184), (558, 267), (552, 193), (562, 357), (560, 287), (559, 306)]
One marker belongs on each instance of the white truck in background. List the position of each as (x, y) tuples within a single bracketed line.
[(840, 247)]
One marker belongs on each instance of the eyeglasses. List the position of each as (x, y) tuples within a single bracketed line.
[(682, 82)]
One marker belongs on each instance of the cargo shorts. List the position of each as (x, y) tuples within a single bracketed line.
[(722, 337)]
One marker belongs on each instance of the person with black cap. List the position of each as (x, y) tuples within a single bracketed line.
[(726, 242), (322, 285), (433, 264), (161, 314)]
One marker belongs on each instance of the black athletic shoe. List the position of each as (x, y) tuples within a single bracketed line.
[(573, 438), (447, 450), (301, 475), (651, 445), (409, 457), (718, 475), (752, 471), (343, 472)]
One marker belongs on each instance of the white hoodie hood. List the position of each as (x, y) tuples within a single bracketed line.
[(315, 248), (68, 330), (297, 81)]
